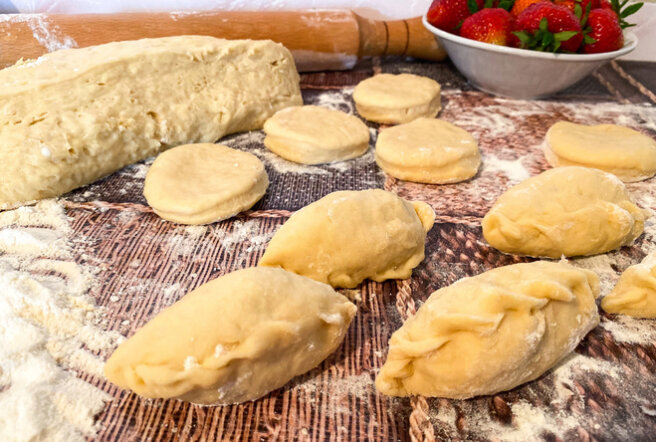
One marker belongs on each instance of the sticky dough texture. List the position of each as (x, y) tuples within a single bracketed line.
[(395, 99), (204, 183), (315, 135), (491, 332), (566, 211), (624, 152), (428, 150), (76, 115), (233, 339), (349, 236), (635, 292)]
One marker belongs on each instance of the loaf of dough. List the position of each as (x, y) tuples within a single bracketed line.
[(635, 292), (204, 183), (395, 99), (315, 135), (624, 152), (566, 211), (233, 339), (428, 150), (492, 332), (349, 236), (75, 115)]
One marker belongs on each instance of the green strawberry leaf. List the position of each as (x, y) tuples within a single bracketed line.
[(578, 11), (615, 4), (543, 26), (588, 40), (473, 6), (584, 20), (487, 4), (630, 10), (506, 4), (523, 36), (564, 35)]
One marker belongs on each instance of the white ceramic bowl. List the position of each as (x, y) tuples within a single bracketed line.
[(520, 73)]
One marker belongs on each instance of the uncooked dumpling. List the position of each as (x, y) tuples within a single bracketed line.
[(566, 211), (395, 99), (204, 183), (624, 152), (315, 135), (492, 332), (635, 293), (233, 339), (428, 150), (349, 236)]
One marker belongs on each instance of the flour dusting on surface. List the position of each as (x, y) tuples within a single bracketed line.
[(50, 330)]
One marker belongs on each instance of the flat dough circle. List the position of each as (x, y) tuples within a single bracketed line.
[(624, 152), (204, 183), (315, 135), (428, 150), (395, 99)]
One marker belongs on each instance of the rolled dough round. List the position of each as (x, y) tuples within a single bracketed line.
[(624, 152), (204, 183), (428, 150), (315, 135), (395, 99)]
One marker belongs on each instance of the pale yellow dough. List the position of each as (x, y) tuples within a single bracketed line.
[(315, 135), (204, 183), (349, 236), (566, 211), (395, 99), (75, 115), (428, 150), (635, 293), (492, 332), (622, 151), (233, 339)]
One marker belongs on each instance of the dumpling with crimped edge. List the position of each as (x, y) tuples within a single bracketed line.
[(491, 332), (233, 339), (635, 292), (349, 236), (566, 211)]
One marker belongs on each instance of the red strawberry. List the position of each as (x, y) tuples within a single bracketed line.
[(621, 10), (490, 25), (449, 14), (605, 30), (545, 26), (520, 5), (571, 4)]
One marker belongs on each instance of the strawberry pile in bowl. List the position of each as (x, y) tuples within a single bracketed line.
[(530, 48)]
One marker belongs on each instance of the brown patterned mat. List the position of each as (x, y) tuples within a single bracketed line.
[(605, 392)]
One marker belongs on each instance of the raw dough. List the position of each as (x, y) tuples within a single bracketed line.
[(428, 150), (204, 183), (566, 211), (75, 115), (624, 152), (315, 135), (492, 332), (394, 99), (349, 236), (635, 293), (233, 339)]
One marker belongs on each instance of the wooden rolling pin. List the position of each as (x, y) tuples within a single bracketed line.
[(319, 39)]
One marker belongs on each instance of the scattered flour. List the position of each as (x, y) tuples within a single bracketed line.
[(49, 331), (513, 169), (48, 35), (243, 232), (629, 330)]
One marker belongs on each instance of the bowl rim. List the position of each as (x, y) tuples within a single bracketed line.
[(631, 41)]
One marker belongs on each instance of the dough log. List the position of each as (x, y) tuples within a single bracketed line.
[(76, 115)]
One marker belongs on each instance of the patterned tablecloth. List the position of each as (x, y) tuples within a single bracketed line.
[(605, 391)]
